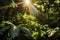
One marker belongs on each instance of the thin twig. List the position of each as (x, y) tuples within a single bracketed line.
[(8, 6)]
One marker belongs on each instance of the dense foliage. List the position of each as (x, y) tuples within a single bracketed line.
[(41, 21)]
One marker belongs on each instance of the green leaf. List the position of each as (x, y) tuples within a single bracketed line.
[(14, 32), (26, 31)]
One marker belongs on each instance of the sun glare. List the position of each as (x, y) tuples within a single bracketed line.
[(27, 1)]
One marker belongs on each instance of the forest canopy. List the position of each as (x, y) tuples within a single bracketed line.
[(29, 19)]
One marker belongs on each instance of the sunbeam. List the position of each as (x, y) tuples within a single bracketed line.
[(30, 7)]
